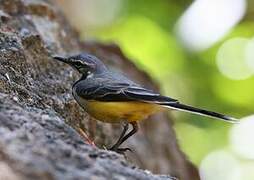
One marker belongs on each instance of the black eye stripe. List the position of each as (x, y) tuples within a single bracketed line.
[(78, 63)]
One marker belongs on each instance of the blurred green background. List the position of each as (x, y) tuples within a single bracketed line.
[(201, 52)]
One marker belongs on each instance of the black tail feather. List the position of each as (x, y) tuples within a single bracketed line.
[(202, 112)]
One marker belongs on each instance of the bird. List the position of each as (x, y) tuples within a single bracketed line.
[(111, 97)]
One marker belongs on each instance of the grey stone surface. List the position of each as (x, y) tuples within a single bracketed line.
[(38, 113), (37, 144)]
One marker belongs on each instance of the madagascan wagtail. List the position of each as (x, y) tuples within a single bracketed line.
[(113, 98)]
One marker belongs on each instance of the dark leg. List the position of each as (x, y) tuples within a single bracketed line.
[(119, 141), (124, 137)]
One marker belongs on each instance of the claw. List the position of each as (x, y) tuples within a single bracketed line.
[(121, 150), (85, 136)]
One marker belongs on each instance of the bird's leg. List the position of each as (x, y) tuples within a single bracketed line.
[(133, 131), (119, 141), (124, 137)]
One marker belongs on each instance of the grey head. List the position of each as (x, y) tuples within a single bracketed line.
[(84, 63)]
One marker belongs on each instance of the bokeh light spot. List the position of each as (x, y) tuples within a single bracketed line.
[(231, 59), (241, 138), (250, 54), (247, 170), (206, 21), (220, 165)]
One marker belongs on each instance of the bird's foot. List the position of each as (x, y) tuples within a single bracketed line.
[(120, 150)]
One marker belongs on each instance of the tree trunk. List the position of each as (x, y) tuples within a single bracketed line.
[(38, 114)]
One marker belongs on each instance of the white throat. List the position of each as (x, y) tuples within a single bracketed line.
[(90, 75)]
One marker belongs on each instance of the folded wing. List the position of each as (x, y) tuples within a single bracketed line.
[(122, 92)]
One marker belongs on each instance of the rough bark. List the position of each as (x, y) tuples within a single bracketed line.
[(38, 114)]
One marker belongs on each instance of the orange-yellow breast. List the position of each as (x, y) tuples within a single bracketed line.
[(114, 112)]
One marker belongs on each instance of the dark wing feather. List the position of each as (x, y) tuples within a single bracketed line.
[(114, 92)]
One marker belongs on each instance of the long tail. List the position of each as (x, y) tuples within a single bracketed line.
[(202, 112)]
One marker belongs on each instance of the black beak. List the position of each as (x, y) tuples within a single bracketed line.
[(62, 59)]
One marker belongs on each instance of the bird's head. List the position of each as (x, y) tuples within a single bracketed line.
[(85, 63)]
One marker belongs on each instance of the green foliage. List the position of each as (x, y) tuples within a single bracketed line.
[(145, 32)]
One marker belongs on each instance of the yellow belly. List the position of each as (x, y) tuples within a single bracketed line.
[(114, 112)]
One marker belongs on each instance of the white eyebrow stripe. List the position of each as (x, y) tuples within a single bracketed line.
[(82, 62), (76, 60)]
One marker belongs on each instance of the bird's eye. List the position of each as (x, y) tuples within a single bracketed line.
[(79, 64)]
